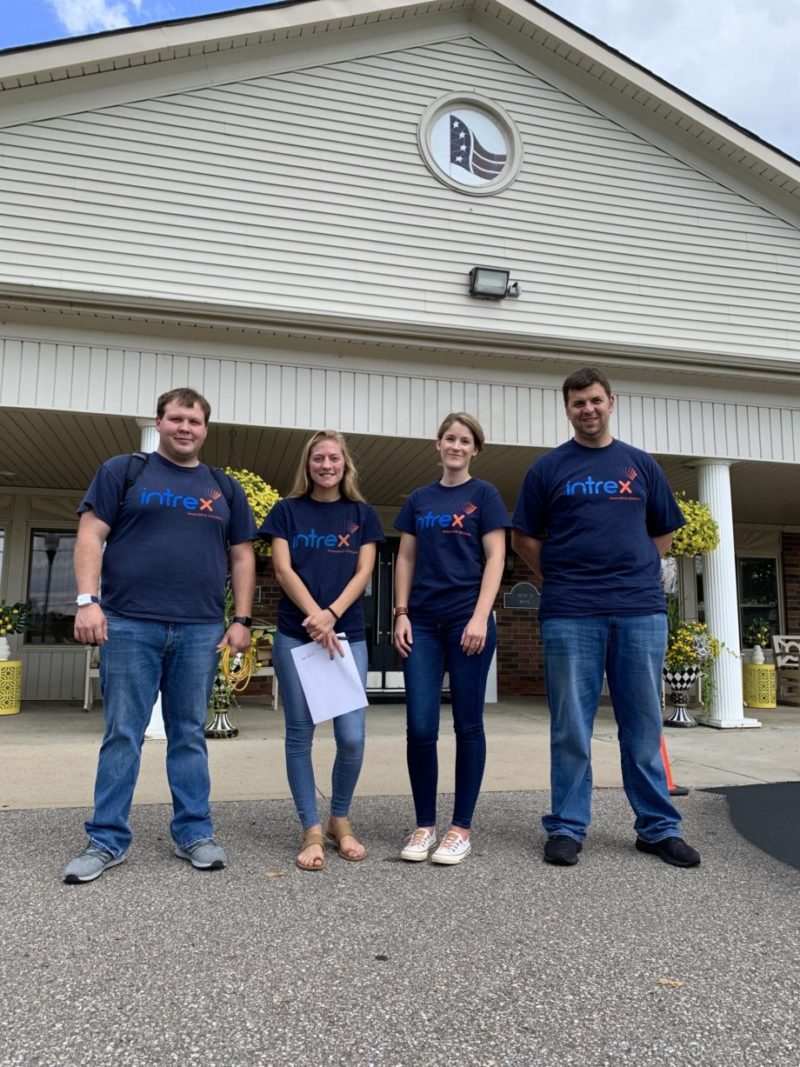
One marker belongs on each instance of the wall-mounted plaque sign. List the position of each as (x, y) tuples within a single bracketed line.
[(522, 596)]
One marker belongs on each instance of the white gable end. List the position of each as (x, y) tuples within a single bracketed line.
[(304, 192)]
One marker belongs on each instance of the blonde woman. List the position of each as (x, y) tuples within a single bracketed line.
[(449, 567), (323, 549)]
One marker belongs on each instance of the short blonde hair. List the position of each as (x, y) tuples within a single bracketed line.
[(349, 484), (471, 423)]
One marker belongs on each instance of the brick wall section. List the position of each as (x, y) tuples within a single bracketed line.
[(520, 671), (790, 551)]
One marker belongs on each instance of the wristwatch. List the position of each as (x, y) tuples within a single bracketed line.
[(84, 599), (243, 620)]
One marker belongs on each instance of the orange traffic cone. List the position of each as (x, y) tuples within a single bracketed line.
[(674, 790)]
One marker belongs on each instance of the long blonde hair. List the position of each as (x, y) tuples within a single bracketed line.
[(348, 486)]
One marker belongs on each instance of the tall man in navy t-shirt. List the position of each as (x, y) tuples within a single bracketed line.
[(163, 529), (593, 518)]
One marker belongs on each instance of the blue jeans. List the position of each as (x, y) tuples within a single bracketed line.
[(139, 658), (348, 731), (630, 649), (437, 648)]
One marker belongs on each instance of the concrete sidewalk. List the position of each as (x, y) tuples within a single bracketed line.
[(48, 754)]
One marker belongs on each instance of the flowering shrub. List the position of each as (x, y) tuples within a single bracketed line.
[(700, 535), (758, 632), (690, 645), (14, 618), (260, 496)]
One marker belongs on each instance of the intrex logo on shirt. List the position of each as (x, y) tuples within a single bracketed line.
[(336, 542), (449, 522), (197, 506), (619, 489)]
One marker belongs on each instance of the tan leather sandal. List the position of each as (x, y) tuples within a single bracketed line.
[(341, 829), (312, 838)]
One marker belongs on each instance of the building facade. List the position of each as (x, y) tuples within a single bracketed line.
[(282, 207)]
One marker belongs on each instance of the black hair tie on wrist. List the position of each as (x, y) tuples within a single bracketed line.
[(330, 609)]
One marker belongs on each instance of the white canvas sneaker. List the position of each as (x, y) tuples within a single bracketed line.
[(419, 845), (453, 849)]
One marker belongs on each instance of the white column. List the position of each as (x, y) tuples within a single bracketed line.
[(148, 442), (722, 614)]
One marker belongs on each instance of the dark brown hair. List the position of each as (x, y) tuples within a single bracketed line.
[(582, 379), (186, 398)]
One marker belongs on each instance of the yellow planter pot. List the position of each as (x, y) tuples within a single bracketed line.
[(10, 686), (758, 681)]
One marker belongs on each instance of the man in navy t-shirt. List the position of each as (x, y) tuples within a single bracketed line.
[(163, 529), (593, 519)]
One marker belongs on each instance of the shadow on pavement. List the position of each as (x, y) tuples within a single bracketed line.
[(767, 816)]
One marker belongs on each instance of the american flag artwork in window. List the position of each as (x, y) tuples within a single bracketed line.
[(469, 146), (466, 151)]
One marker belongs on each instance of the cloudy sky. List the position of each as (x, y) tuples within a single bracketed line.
[(738, 56)]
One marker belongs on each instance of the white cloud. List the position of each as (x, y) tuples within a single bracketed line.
[(736, 56), (93, 16)]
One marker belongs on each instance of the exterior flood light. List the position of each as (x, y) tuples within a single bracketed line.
[(491, 283)]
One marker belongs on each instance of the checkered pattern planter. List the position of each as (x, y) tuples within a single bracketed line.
[(683, 679)]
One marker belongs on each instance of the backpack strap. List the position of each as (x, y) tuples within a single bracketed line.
[(225, 483), (137, 461)]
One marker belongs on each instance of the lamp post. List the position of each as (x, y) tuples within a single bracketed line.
[(51, 543)]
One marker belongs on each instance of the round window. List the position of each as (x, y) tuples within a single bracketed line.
[(470, 144)]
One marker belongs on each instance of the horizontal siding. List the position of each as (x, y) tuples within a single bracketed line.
[(295, 393), (306, 192)]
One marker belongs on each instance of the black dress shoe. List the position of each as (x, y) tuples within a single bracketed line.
[(672, 850), (562, 850)]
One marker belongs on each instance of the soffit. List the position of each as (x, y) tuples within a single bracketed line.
[(58, 453)]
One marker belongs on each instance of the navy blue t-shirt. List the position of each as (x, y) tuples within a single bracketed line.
[(448, 522), (166, 557), (324, 539), (595, 511)]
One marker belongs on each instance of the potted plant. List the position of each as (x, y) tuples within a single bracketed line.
[(700, 535), (758, 632), (14, 619), (691, 651)]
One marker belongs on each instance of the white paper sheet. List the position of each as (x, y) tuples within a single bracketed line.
[(331, 686)]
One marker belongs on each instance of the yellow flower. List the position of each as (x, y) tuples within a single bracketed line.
[(700, 535), (260, 496)]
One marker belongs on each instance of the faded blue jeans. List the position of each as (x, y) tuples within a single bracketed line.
[(436, 649), (139, 658), (630, 649), (348, 730)]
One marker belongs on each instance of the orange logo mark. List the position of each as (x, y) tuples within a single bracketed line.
[(205, 505), (458, 520), (344, 541)]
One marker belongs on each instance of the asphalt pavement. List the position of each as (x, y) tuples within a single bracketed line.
[(503, 961)]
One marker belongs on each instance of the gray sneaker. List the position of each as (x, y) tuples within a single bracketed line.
[(90, 864), (205, 855)]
